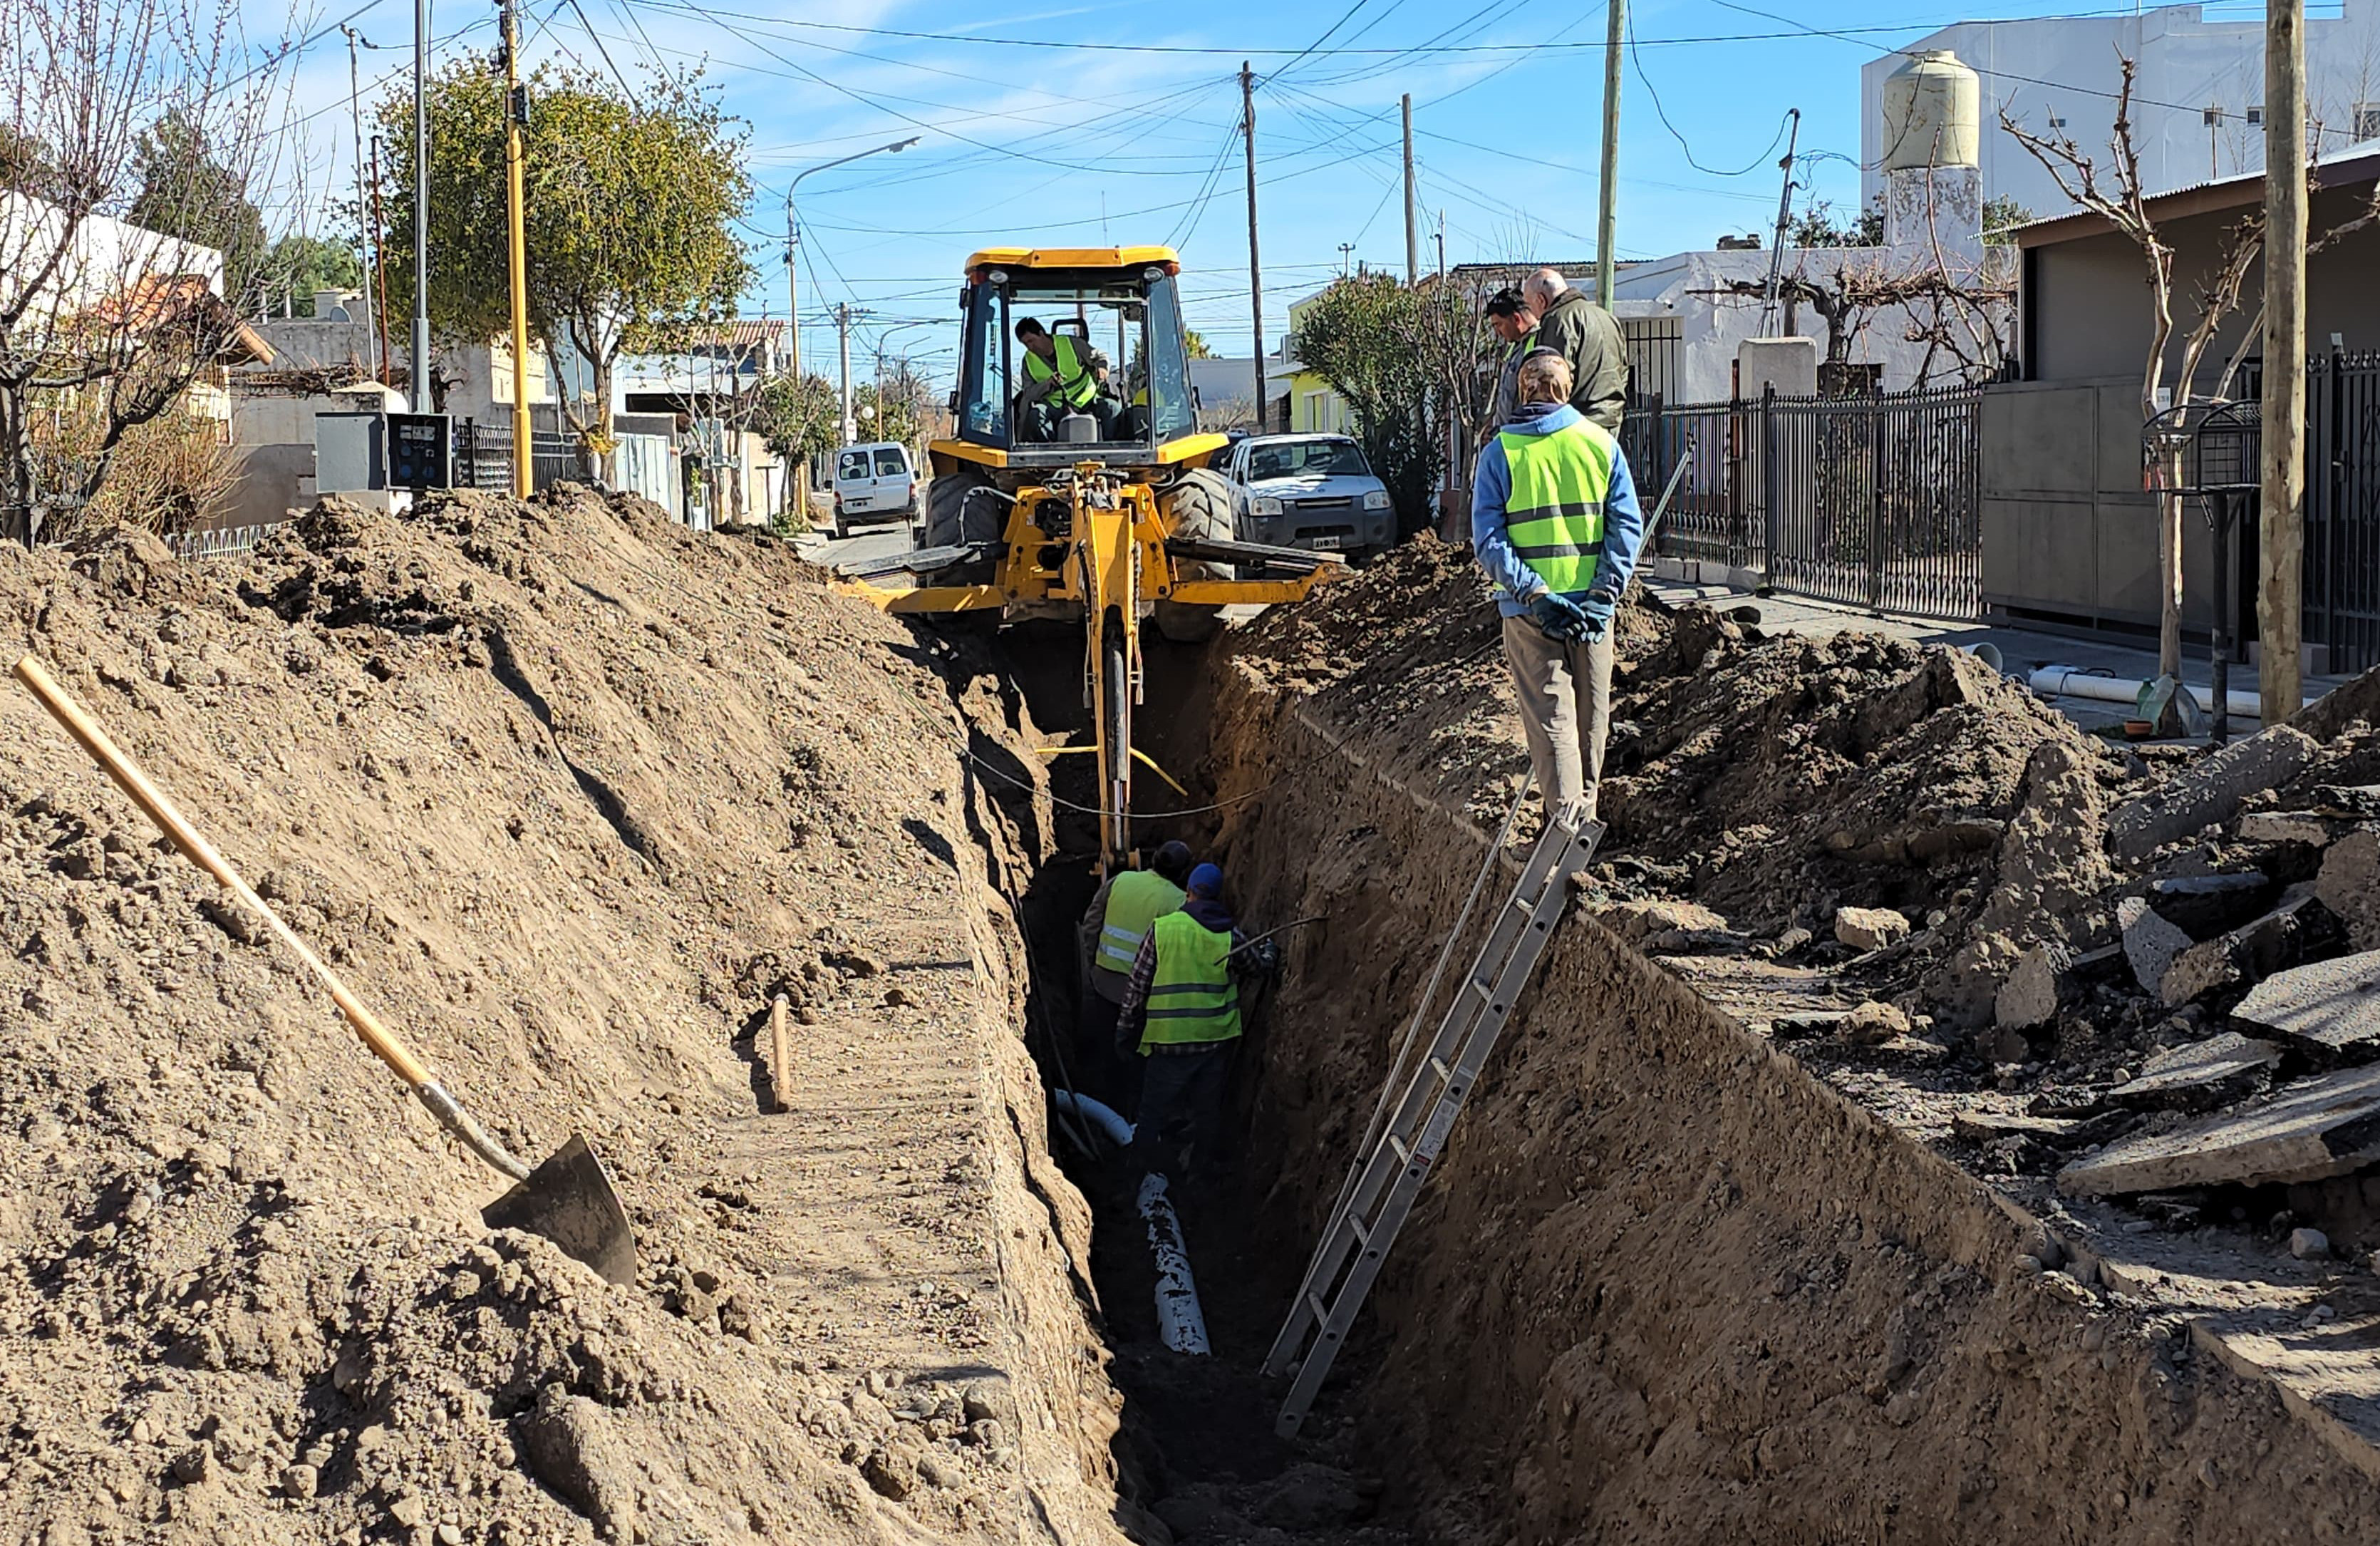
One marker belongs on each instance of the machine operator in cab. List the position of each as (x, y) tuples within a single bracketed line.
[(1059, 381)]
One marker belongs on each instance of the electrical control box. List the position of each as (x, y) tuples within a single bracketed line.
[(420, 451)]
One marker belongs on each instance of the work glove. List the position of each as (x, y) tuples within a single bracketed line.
[(1596, 609), (1263, 959), (1559, 617)]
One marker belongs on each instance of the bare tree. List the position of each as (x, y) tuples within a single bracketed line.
[(2117, 196), (109, 107), (1950, 312)]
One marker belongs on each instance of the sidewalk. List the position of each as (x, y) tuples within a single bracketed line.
[(2022, 650)]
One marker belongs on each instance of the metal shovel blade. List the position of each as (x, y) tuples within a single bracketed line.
[(570, 1200)]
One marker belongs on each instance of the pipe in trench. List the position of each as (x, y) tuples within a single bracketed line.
[(1180, 1323)]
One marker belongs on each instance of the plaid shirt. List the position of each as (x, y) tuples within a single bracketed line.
[(1208, 914)]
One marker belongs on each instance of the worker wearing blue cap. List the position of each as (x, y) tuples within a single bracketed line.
[(1181, 1014)]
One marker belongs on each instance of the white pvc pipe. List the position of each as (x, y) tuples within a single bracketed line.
[(2073, 681), (1104, 1117), (1180, 1322)]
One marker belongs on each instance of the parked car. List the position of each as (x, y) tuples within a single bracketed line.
[(1308, 491), (873, 484)]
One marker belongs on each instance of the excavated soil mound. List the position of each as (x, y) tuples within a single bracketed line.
[(567, 792), (1772, 779)]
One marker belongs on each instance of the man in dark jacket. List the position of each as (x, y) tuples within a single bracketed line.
[(1181, 1012), (1586, 336)]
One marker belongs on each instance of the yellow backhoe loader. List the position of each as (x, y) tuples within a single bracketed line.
[(1088, 498)]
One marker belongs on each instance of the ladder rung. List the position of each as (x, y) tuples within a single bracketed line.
[(1358, 1228), (1397, 1147), (1438, 1066), (1322, 1311)]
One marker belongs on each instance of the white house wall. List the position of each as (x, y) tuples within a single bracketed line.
[(2067, 68), (106, 257)]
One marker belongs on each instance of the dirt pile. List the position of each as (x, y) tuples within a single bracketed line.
[(567, 792), (1666, 1285)]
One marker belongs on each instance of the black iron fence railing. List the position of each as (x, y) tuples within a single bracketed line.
[(1872, 501)]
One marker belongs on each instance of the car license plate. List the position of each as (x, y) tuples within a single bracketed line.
[(1330, 543)]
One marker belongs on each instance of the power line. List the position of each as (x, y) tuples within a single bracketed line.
[(1636, 58), (623, 79)]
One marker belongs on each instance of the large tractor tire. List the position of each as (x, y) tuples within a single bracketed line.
[(1201, 507), (952, 517)]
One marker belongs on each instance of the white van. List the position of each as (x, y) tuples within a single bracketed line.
[(873, 484)]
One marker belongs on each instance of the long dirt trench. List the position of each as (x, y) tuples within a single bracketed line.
[(575, 792)]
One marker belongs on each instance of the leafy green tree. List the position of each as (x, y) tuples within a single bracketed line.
[(1818, 225), (797, 416), (1369, 336), (188, 191), (26, 165), (1194, 345), (630, 205), (298, 267), (2002, 215)]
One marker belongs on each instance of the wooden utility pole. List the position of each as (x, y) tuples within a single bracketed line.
[(2280, 603), (1255, 270), (1609, 190), (1412, 232), (417, 391), (798, 474), (516, 251)]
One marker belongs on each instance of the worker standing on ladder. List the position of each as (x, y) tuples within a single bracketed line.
[(1555, 521), (1181, 1014), (1113, 931)]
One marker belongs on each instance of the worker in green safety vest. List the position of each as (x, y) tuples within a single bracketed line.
[(1112, 931), (1555, 521), (1181, 1012), (1059, 382)]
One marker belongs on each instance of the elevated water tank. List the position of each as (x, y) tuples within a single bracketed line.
[(1933, 113)]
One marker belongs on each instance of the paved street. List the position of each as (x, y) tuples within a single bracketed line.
[(872, 541)]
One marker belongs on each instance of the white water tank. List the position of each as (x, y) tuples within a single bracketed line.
[(1933, 113)]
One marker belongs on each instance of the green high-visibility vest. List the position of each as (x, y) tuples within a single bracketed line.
[(1076, 386), (1139, 899), (1192, 999), (1554, 517)]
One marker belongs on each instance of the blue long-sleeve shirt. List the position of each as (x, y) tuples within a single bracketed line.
[(1491, 490)]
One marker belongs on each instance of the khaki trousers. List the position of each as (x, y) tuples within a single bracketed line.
[(1566, 692)]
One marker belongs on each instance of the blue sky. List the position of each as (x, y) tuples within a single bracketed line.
[(1135, 140)]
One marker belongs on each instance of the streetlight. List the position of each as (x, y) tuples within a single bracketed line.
[(800, 482)]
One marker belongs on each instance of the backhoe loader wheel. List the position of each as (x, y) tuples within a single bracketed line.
[(1201, 507), (957, 513)]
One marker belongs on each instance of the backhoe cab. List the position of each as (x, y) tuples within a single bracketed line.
[(1105, 511)]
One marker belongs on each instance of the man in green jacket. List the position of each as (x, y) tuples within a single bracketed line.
[(1584, 334), (1113, 932), (1181, 1014)]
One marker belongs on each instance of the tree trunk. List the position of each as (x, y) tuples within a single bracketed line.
[(2169, 566)]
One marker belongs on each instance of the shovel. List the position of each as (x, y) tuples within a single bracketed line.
[(569, 1199)]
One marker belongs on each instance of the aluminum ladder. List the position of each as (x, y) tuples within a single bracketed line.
[(1389, 1175)]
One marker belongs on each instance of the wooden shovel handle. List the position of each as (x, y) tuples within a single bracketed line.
[(133, 782)]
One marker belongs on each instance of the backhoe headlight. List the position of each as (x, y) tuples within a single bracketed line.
[(1377, 500)]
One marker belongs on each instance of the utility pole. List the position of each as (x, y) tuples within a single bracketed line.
[(843, 333), (1441, 244), (1784, 218), (516, 251), (1346, 252), (2280, 611), (1609, 189), (798, 482), (363, 201), (1413, 236), (1255, 270), (418, 382)]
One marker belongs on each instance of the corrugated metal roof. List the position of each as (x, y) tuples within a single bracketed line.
[(2359, 162)]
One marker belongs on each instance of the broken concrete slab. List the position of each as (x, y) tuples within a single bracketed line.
[(2358, 802), (2286, 826), (2248, 953), (2150, 942), (2201, 1075), (1983, 1127), (2208, 792), (2315, 1128), (2350, 886), (1870, 928), (1874, 1024), (2201, 906), (2331, 1006), (2029, 997)]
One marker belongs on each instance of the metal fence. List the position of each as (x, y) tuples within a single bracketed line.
[(2342, 509), (1871, 501), (221, 541)]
